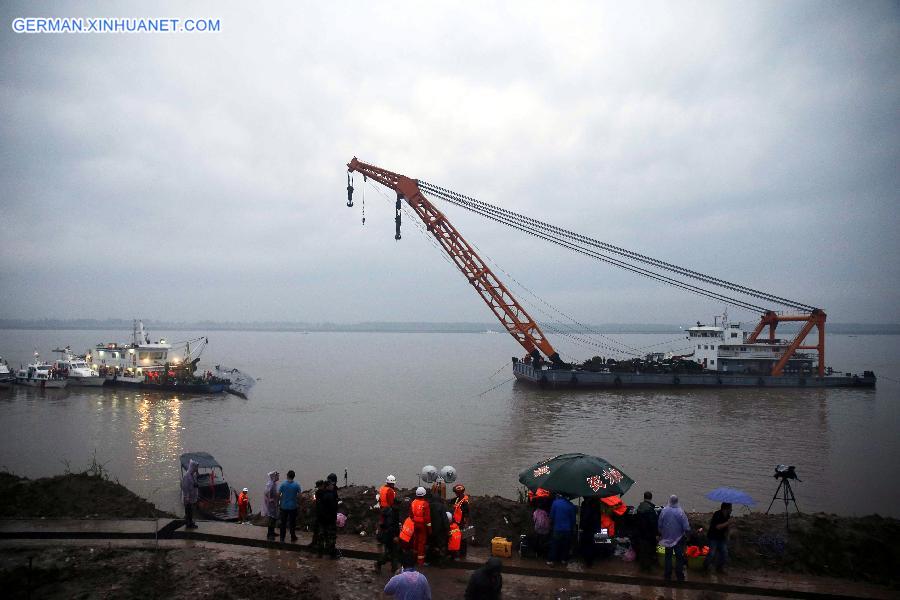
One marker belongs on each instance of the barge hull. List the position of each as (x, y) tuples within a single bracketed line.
[(560, 378)]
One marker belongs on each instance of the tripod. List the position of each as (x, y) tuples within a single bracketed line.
[(787, 494)]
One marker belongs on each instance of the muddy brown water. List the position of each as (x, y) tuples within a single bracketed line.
[(379, 403)]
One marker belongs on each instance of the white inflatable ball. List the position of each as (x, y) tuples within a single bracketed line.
[(429, 473), (449, 474)]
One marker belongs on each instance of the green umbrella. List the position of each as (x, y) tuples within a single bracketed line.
[(577, 475)]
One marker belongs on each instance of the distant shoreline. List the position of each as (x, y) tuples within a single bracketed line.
[(392, 327)]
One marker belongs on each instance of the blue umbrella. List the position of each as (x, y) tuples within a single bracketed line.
[(726, 494)]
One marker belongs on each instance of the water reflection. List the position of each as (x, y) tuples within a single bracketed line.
[(156, 436)]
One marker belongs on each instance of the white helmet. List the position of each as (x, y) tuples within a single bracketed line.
[(390, 479), (420, 492)]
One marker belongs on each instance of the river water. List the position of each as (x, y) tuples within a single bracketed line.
[(380, 403)]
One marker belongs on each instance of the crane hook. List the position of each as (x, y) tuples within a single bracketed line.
[(397, 217), (349, 189)]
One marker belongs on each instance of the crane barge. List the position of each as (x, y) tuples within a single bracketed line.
[(725, 356)]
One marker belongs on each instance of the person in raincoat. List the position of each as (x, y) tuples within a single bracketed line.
[(189, 491), (270, 503)]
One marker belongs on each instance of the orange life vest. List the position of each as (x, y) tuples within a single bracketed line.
[(243, 501), (457, 508), (386, 496), (420, 511), (607, 523), (455, 540), (407, 530), (540, 493)]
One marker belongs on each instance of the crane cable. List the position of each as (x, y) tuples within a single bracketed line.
[(485, 209), (611, 260), (411, 216)]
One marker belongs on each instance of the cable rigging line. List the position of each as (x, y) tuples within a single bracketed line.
[(611, 260), (487, 209)]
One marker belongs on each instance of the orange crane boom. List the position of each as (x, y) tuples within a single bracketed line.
[(498, 298)]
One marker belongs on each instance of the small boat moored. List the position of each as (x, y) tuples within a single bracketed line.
[(76, 370), (213, 493), (6, 376), (41, 375)]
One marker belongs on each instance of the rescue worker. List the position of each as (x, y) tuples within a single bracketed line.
[(461, 514), (454, 541), (243, 503), (326, 515), (421, 516), (388, 492)]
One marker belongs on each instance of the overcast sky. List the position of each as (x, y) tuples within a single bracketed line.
[(188, 176)]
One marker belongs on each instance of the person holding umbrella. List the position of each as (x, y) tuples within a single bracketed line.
[(673, 526), (718, 538)]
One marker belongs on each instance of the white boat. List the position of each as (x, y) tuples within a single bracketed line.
[(40, 374), (131, 363), (76, 370), (6, 376)]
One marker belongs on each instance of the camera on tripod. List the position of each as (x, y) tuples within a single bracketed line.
[(785, 472)]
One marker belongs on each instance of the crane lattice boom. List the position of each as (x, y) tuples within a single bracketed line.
[(506, 308)]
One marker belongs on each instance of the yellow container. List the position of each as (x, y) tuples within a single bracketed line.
[(501, 547)]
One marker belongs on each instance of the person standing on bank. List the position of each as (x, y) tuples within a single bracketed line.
[(673, 526), (387, 492), (420, 513), (189, 491), (562, 523), (326, 515), (270, 502), (460, 510), (718, 538), (289, 492), (388, 534), (645, 532)]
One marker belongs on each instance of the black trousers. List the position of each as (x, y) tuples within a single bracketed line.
[(327, 537), (289, 521), (189, 513)]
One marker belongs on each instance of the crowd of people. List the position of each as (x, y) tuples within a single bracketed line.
[(432, 530), (556, 525)]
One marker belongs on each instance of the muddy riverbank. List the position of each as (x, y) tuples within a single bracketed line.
[(853, 548)]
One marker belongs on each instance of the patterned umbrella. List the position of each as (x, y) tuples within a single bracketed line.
[(577, 475)]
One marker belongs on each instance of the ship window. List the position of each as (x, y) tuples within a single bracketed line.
[(705, 347), (712, 362), (743, 349), (734, 335), (698, 346)]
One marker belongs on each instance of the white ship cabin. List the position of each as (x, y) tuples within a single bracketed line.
[(723, 347), (132, 359)]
